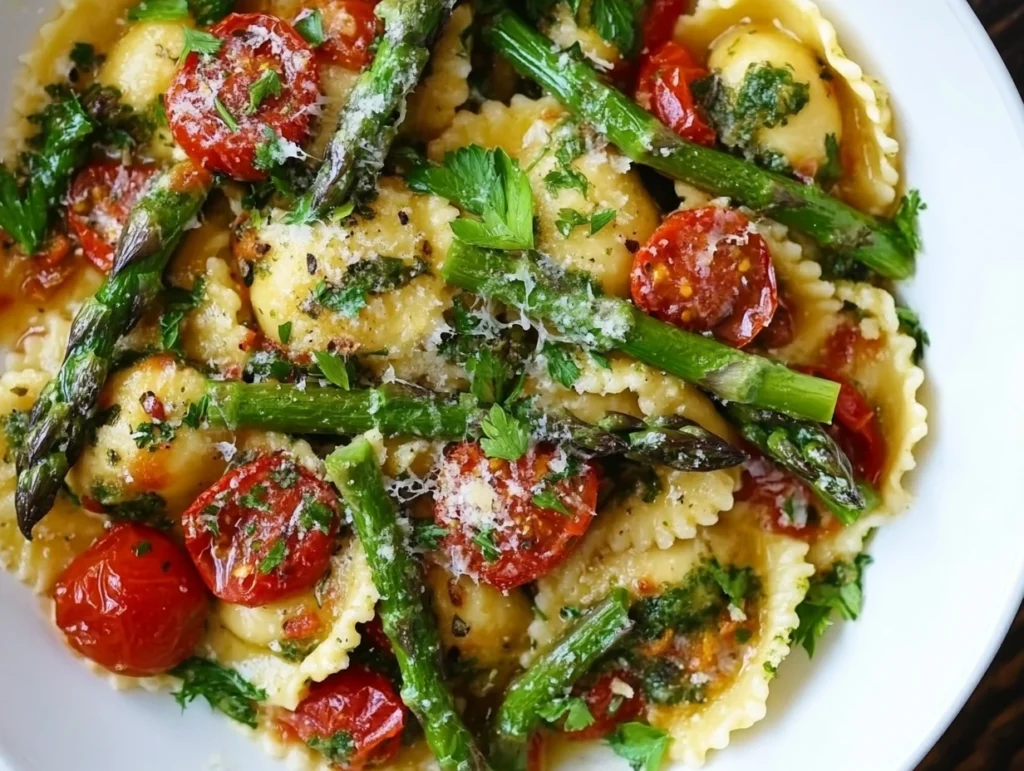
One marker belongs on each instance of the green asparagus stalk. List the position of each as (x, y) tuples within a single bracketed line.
[(368, 122), (62, 414), (402, 411), (570, 301), (552, 675), (808, 452), (806, 208), (403, 610)]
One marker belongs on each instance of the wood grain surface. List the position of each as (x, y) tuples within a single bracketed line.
[(988, 735)]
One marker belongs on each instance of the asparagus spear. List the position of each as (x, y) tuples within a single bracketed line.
[(403, 411), (806, 208), (403, 612), (67, 404), (371, 116), (553, 674), (572, 303), (808, 452)]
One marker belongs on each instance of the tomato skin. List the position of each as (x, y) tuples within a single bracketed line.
[(134, 609), (599, 697), (234, 532), (252, 43), (731, 293), (855, 428), (529, 540), (660, 21), (351, 27), (357, 701), (663, 89), (769, 489), (98, 204)]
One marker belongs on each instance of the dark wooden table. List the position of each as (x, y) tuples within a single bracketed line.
[(988, 735)]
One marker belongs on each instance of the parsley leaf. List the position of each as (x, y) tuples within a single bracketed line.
[(832, 169), (426, 535), (199, 42), (315, 514), (159, 10), (577, 714), (284, 332), (207, 12), (641, 745), (599, 219), (268, 85), (311, 27), (487, 183), (84, 57), (484, 539), (196, 412), (548, 499), (152, 435), (910, 324), (364, 278), (225, 115), (224, 689), (737, 583), (567, 178), (142, 548), (273, 558), (333, 368), (616, 22), (568, 220), (337, 748), (562, 366), (177, 304), (842, 590), (506, 436), (906, 219)]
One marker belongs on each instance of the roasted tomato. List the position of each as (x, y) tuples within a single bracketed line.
[(501, 527), (783, 503), (707, 270), (220, 116), (98, 204), (264, 532), (660, 22), (132, 602), (663, 89), (855, 428), (353, 717), (49, 268), (350, 26), (613, 698)]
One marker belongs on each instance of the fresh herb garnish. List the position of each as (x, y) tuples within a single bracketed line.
[(177, 304), (832, 170), (840, 590), (570, 219), (426, 535), (641, 745), (362, 279), (196, 412), (152, 435), (616, 21), (267, 85), (548, 499), (255, 498), (159, 10), (333, 368), (273, 558), (84, 57), (910, 325), (906, 219), (505, 435), (285, 476), (311, 27), (337, 748), (487, 183), (199, 42), (142, 548), (207, 12), (315, 514), (488, 548), (577, 714), (225, 115), (566, 178), (562, 366), (224, 689), (284, 332)]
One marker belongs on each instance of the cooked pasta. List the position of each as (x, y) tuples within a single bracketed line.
[(386, 403)]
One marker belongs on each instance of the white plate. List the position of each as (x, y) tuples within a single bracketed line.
[(948, 575)]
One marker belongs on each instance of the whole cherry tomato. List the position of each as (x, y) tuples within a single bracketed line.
[(132, 602), (351, 27), (663, 89)]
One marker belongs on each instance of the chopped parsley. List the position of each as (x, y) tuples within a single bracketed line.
[(767, 98), (575, 710), (739, 584), (616, 21), (566, 178), (910, 325), (142, 548), (273, 558), (285, 476), (256, 498), (196, 412), (15, 426), (641, 745), (152, 435), (224, 689), (147, 507), (337, 748), (84, 57), (362, 279), (284, 332), (311, 27), (665, 681), (548, 499), (225, 115), (570, 219), (488, 548), (199, 42), (177, 304), (840, 590), (315, 515), (906, 219), (688, 605), (427, 535), (159, 10), (487, 183), (562, 366), (832, 170), (505, 435), (267, 85), (334, 369)]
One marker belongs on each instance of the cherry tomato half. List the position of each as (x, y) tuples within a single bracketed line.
[(660, 21), (353, 717), (783, 503), (265, 531), (498, 528), (351, 27), (613, 698), (855, 428), (98, 204), (132, 602), (707, 270), (663, 89), (216, 111)]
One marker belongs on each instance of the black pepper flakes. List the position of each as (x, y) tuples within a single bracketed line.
[(403, 217), (459, 627), (632, 246), (311, 264)]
